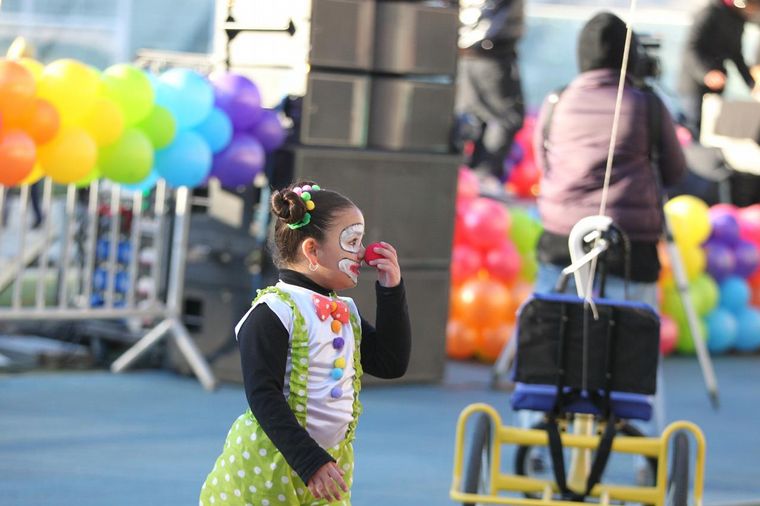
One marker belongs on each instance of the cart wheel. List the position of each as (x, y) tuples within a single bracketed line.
[(528, 463), (479, 460), (678, 481)]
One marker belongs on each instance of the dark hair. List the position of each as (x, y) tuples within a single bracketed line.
[(601, 43), (289, 208)]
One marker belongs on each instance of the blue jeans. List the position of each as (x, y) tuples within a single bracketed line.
[(546, 280)]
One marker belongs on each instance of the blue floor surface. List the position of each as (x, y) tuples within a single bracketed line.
[(149, 438)]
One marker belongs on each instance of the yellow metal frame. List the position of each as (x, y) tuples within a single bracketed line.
[(499, 482)]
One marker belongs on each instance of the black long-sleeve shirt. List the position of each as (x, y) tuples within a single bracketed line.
[(715, 36), (264, 343)]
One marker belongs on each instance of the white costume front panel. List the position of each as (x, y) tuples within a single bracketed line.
[(327, 417)]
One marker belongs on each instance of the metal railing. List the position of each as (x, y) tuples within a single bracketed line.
[(93, 259)]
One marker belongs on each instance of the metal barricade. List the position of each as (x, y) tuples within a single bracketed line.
[(102, 258)]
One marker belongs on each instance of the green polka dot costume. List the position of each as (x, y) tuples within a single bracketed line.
[(251, 471)]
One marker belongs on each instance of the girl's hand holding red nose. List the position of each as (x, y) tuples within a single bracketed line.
[(384, 258)]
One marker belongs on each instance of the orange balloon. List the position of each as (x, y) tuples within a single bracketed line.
[(17, 88), (17, 156), (483, 303), (70, 156), (40, 121), (461, 341), (521, 290), (493, 341)]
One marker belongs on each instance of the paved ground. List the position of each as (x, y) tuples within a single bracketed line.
[(149, 438)]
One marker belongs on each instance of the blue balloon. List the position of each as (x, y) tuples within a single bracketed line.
[(734, 294), (216, 129), (184, 162), (187, 95), (722, 329), (748, 331)]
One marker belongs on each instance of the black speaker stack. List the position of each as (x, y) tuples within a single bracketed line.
[(376, 87)]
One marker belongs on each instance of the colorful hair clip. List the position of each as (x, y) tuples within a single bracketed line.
[(305, 193)]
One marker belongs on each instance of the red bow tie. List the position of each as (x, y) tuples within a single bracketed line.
[(326, 307)]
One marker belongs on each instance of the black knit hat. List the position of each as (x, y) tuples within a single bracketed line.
[(602, 42)]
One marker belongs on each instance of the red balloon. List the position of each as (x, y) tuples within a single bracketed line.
[(525, 178), (503, 261), (668, 334), (17, 88), (17, 156), (465, 263), (485, 223)]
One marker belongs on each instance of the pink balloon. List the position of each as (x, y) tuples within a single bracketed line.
[(749, 223), (503, 261), (485, 223), (668, 334), (465, 263), (467, 184), (723, 209)]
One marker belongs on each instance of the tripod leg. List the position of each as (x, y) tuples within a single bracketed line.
[(141, 346)]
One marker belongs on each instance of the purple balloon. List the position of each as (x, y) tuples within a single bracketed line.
[(747, 258), (240, 162), (239, 98), (268, 130), (725, 228), (721, 262)]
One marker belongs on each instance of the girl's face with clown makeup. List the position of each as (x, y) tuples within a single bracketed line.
[(340, 254)]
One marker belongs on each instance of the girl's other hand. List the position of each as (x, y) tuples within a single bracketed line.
[(388, 270), (325, 483)]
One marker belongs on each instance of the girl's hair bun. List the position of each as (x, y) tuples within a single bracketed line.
[(288, 206)]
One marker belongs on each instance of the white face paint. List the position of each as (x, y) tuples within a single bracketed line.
[(351, 241), (351, 238)]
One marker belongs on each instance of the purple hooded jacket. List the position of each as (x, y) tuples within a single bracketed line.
[(578, 143)]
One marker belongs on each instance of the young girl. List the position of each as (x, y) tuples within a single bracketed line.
[(303, 350)]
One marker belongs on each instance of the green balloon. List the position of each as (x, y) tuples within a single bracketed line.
[(130, 88), (128, 160), (524, 231), (704, 293), (528, 267), (160, 127), (685, 343)]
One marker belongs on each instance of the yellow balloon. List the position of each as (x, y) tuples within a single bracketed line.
[(72, 87), (92, 176), (33, 66), (70, 156), (689, 220), (34, 176), (104, 122), (694, 260)]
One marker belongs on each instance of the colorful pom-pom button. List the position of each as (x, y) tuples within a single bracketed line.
[(297, 191), (306, 195), (336, 373), (338, 343), (307, 187), (335, 325), (316, 187), (336, 393), (333, 306), (340, 362), (310, 205)]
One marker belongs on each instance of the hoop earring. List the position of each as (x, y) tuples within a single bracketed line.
[(313, 267)]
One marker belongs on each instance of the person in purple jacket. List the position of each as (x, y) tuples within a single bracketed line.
[(573, 160)]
